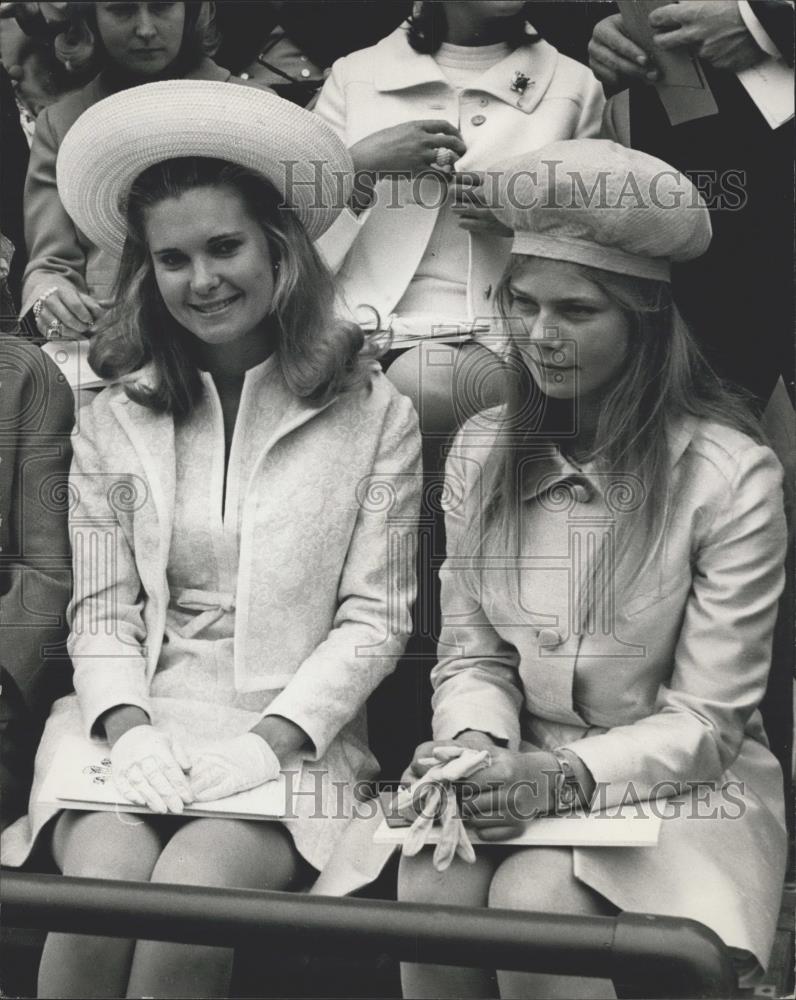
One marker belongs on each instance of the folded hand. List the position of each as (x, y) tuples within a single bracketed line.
[(148, 767), (229, 766)]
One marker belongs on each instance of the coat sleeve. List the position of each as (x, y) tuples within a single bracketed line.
[(35, 578), (331, 106), (476, 683), (591, 112), (55, 256), (375, 594), (723, 654), (107, 635)]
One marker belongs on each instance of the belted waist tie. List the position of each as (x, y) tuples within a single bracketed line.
[(212, 605)]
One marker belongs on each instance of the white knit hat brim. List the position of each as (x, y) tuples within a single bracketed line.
[(118, 138)]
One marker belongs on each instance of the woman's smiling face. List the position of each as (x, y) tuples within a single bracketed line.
[(572, 336), (212, 264)]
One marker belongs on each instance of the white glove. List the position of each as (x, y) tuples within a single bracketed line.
[(233, 765), (148, 768)]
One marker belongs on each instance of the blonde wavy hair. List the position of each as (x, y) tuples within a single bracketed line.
[(318, 354)]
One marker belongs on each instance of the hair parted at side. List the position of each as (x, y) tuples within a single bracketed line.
[(79, 47), (428, 28), (665, 379), (318, 354)]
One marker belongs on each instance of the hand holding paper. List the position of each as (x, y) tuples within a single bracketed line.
[(713, 30)]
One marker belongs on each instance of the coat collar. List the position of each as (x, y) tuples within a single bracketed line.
[(541, 473), (398, 67)]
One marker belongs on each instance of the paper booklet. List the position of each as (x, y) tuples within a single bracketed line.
[(626, 826), (80, 778)]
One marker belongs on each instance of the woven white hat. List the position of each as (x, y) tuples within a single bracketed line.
[(594, 202), (118, 138)]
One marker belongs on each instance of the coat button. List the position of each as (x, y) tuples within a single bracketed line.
[(245, 76), (549, 637), (478, 119), (305, 73)]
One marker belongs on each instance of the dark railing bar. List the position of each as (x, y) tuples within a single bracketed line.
[(663, 956)]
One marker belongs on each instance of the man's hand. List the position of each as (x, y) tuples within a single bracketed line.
[(614, 57), (713, 30)]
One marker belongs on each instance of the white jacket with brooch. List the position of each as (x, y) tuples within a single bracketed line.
[(376, 255), (325, 577), (663, 690)]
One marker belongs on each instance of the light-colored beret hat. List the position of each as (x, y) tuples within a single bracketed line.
[(118, 138), (597, 203)]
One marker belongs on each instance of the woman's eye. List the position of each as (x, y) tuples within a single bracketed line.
[(170, 260), (226, 248), (523, 305), (581, 312)]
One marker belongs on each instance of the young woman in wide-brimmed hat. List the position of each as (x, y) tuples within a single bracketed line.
[(237, 499)]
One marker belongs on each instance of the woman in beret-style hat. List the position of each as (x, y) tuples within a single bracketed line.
[(616, 539), (237, 594)]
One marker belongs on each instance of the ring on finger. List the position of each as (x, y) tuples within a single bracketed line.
[(54, 330), (443, 158)]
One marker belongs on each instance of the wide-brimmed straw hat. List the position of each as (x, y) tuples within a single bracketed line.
[(118, 138), (594, 202)]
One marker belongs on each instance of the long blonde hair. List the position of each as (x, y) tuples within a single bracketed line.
[(665, 378)]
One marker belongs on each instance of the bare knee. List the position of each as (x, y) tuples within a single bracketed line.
[(540, 878), (230, 853), (461, 885), (105, 845)]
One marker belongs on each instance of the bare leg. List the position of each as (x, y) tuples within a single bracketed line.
[(211, 852), (541, 879), (96, 845), (460, 885)]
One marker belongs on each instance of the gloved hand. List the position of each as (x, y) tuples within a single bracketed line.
[(233, 765), (432, 798), (148, 768)]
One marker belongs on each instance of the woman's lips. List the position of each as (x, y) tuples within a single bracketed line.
[(213, 308)]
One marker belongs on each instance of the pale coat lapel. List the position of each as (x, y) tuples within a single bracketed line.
[(152, 437)]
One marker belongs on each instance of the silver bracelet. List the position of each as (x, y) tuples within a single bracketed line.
[(39, 303)]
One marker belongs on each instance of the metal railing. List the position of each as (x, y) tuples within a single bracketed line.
[(652, 956)]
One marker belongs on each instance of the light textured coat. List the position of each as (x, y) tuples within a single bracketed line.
[(664, 689), (377, 254), (325, 579)]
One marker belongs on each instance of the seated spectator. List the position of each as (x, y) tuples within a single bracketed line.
[(623, 663), (738, 297), (36, 413), (68, 279), (219, 636), (425, 112)]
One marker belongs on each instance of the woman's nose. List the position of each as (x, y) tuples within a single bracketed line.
[(545, 327), (203, 279), (145, 25)]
